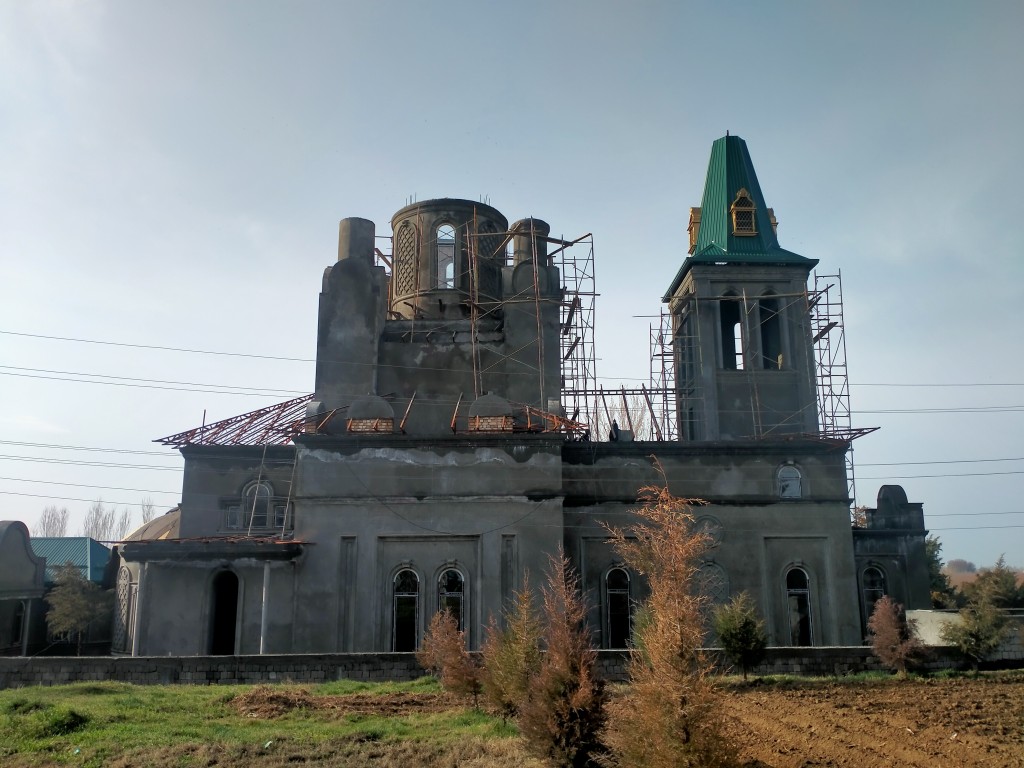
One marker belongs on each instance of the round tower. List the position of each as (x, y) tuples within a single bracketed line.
[(447, 254)]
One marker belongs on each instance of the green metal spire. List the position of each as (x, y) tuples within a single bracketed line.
[(730, 171)]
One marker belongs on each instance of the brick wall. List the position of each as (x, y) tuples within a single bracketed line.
[(16, 672)]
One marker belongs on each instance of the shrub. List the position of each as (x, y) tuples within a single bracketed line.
[(511, 656), (741, 632), (563, 713), (444, 654), (669, 715), (981, 630), (75, 603), (894, 638)]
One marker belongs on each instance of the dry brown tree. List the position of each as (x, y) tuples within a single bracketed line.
[(444, 654), (563, 714), (669, 714), (511, 655), (894, 638)]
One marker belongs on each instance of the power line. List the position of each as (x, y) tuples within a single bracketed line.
[(267, 390), (84, 485)]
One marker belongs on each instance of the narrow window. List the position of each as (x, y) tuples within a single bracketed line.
[(617, 604), (17, 624), (744, 222), (406, 610), (450, 593), (771, 334), (874, 589), (223, 614), (798, 594), (445, 256), (731, 317), (790, 483)]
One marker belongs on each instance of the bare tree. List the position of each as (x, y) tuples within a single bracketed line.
[(53, 522), (894, 637), (148, 509), (106, 524)]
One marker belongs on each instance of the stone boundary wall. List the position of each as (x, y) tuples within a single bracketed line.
[(17, 671)]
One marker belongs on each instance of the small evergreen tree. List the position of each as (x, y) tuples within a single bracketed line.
[(75, 603), (444, 654), (942, 593), (894, 638), (982, 628), (511, 656), (669, 715), (563, 714), (741, 632)]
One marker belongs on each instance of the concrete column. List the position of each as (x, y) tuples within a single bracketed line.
[(356, 239), (266, 607), (26, 627)]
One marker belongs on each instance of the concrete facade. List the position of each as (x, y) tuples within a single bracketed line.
[(433, 468)]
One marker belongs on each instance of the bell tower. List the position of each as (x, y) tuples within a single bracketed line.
[(742, 344)]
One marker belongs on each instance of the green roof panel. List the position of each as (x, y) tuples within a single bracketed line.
[(730, 170)]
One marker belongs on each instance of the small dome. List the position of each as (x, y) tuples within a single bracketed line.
[(370, 407), (490, 405)]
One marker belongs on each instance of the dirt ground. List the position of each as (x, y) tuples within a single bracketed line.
[(930, 723), (934, 723)]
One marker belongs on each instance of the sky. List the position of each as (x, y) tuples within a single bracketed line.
[(172, 175)]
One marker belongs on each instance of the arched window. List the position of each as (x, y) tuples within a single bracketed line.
[(874, 589), (790, 483), (730, 315), (771, 333), (798, 597), (618, 609), (445, 276), (406, 610), (451, 595), (744, 222)]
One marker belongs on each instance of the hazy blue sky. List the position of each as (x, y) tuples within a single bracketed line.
[(172, 174)]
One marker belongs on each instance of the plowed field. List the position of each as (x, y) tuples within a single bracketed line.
[(926, 723)]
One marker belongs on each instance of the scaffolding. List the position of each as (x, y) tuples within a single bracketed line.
[(576, 333), (663, 392), (825, 304)]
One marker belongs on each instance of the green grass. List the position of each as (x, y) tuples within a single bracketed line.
[(94, 724)]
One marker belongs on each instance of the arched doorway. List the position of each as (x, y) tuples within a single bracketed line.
[(223, 613)]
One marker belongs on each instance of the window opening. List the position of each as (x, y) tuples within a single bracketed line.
[(731, 317), (450, 592), (798, 594), (445, 256), (17, 623), (771, 334), (744, 222), (619, 609), (406, 610), (874, 589), (790, 483), (223, 613)]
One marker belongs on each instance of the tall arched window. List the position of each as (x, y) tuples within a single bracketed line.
[(874, 589), (618, 616), (256, 505), (771, 333), (798, 596), (406, 608), (451, 595), (445, 276), (730, 315)]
